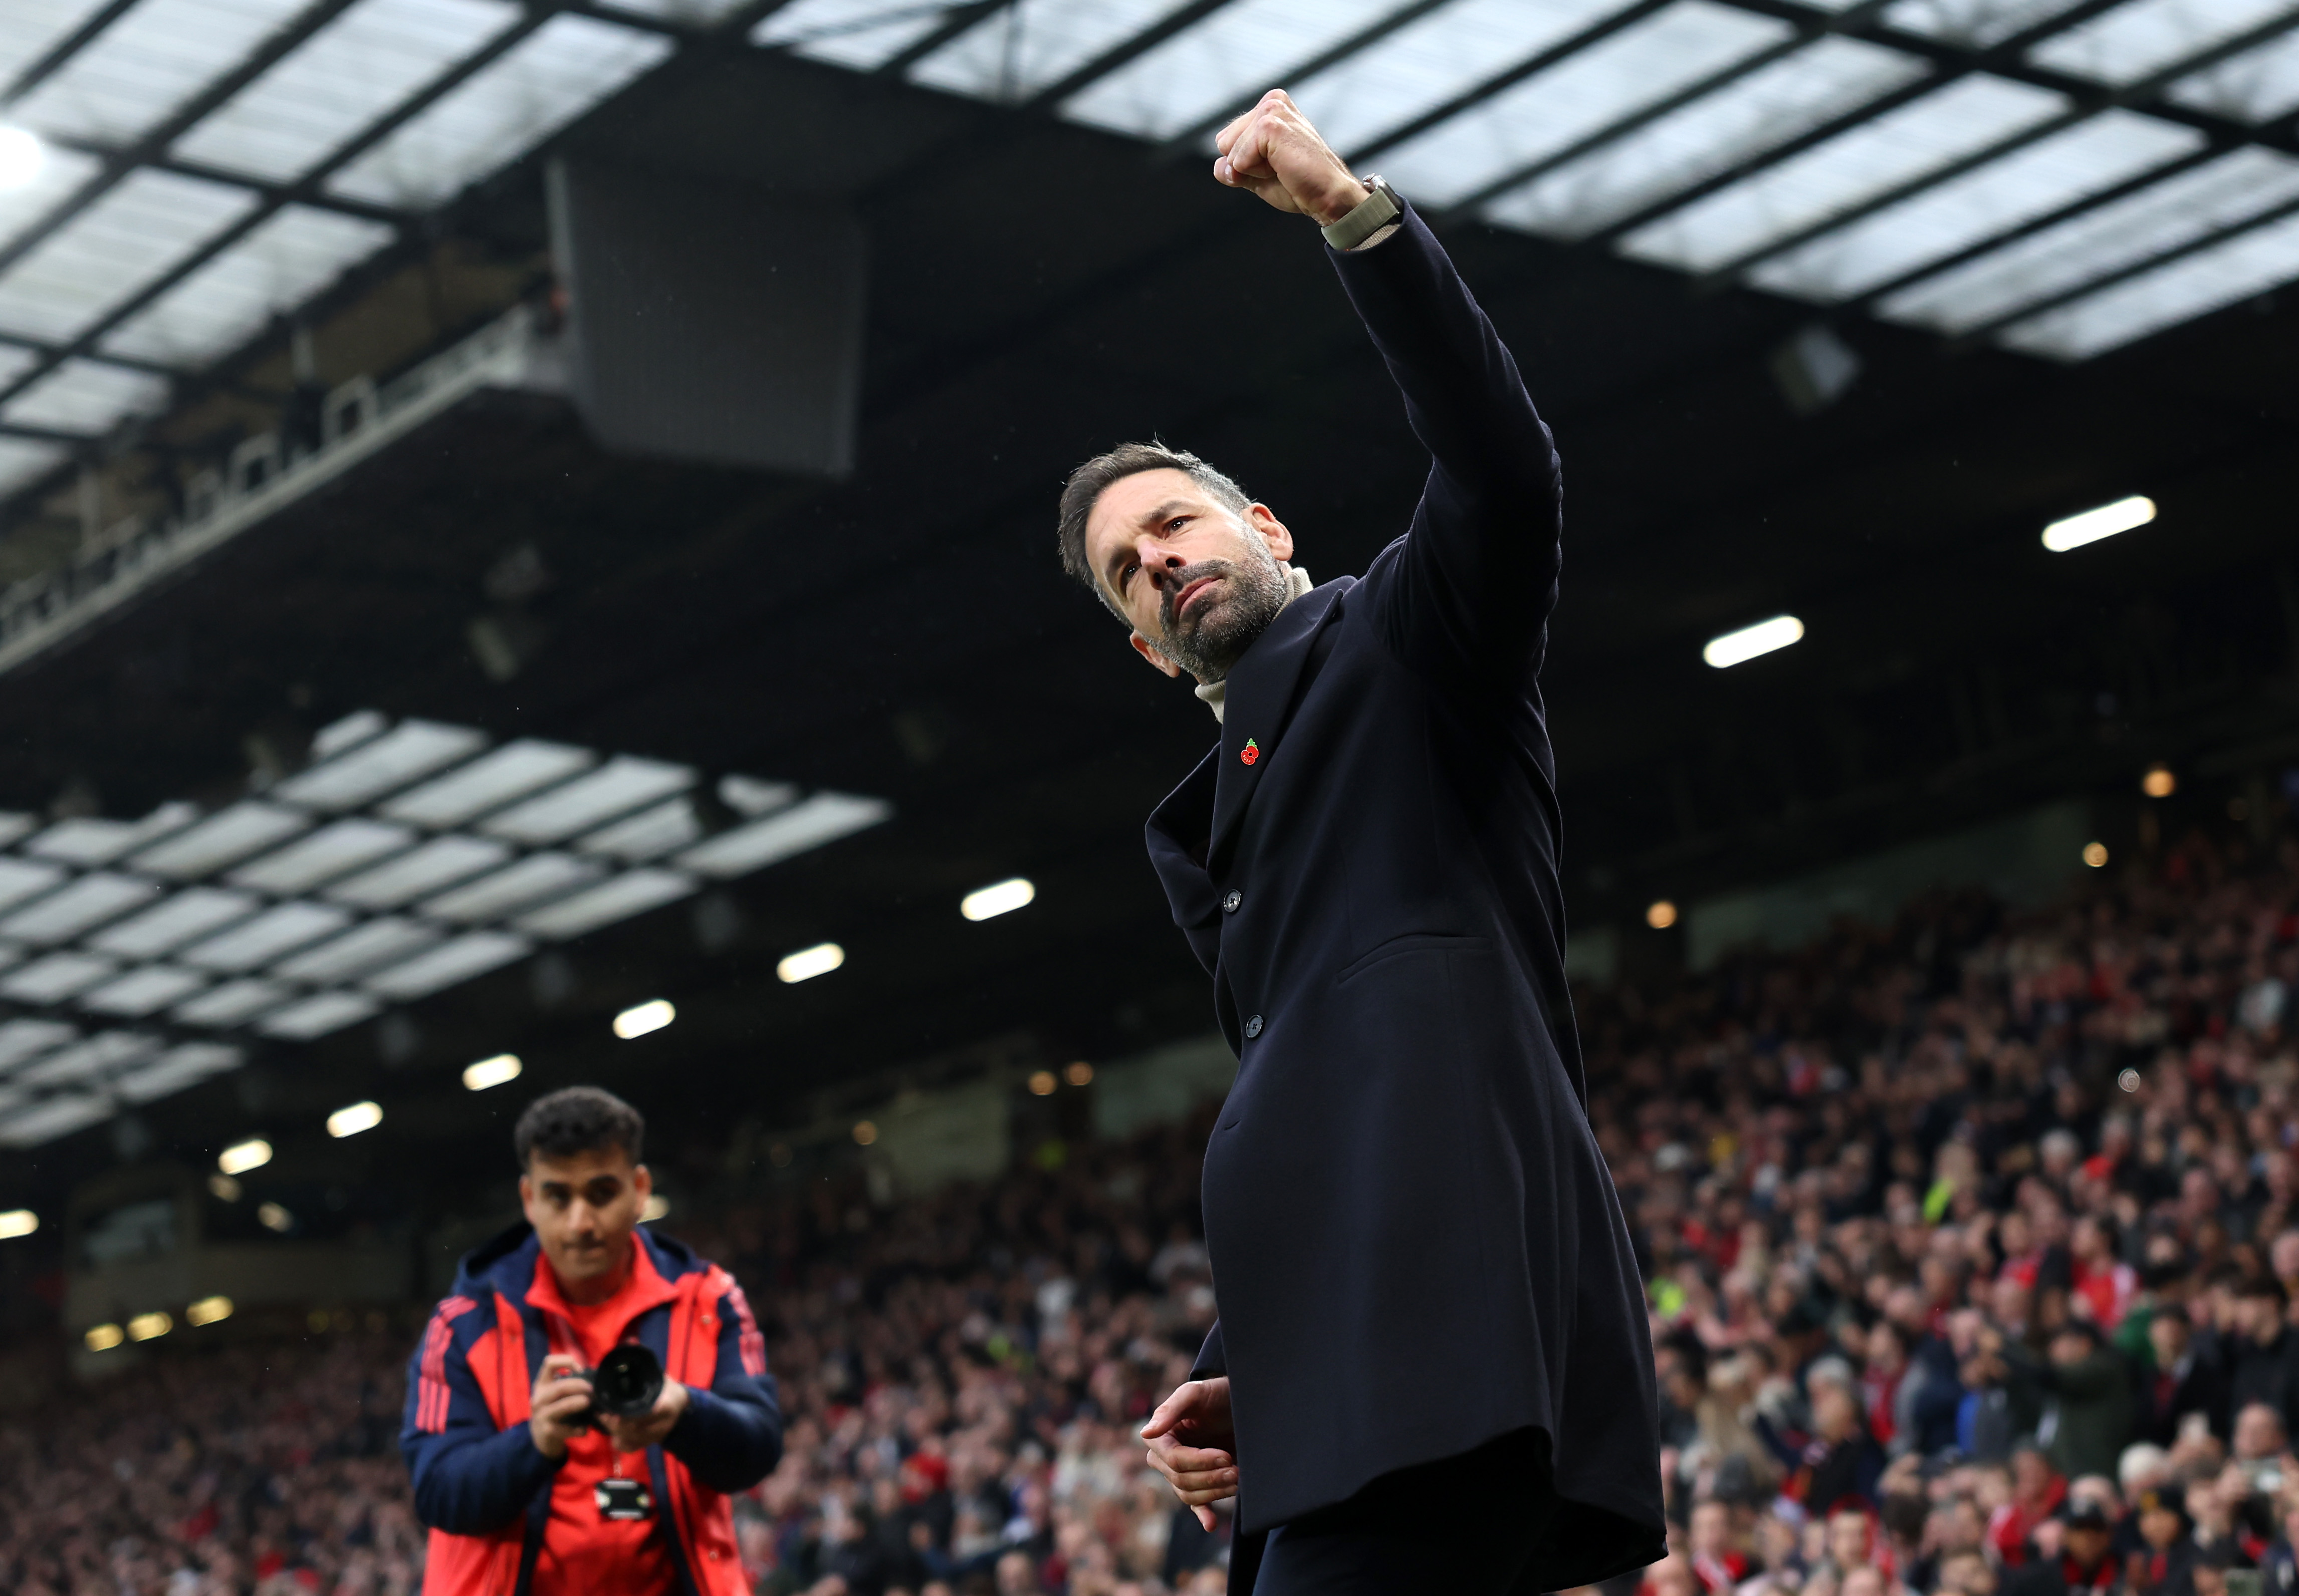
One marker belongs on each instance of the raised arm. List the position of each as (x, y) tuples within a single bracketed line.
[(1472, 585)]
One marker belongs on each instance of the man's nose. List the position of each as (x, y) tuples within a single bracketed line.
[(1160, 562)]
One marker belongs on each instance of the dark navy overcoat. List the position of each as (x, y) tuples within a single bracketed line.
[(1416, 1244)]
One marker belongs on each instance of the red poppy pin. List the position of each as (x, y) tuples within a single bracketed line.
[(1250, 753)]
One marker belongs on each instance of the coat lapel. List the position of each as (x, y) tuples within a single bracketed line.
[(1260, 693)]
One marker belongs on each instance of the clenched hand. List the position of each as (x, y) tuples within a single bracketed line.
[(1273, 150)]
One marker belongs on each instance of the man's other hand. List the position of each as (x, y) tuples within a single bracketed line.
[(1193, 1445), (559, 1405), (1273, 150), (637, 1434)]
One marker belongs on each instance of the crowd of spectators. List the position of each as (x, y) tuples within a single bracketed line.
[(1971, 1252)]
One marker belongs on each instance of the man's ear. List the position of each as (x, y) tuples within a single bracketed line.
[(642, 1182), (1272, 530), (1143, 646)]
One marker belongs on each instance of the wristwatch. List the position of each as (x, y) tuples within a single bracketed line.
[(1372, 213)]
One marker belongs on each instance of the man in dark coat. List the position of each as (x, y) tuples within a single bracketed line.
[(1432, 1370)]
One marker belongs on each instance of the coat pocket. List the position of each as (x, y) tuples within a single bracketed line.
[(1411, 942)]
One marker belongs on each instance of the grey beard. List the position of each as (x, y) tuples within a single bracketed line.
[(1208, 647)]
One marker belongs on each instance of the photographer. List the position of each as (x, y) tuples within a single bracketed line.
[(539, 1463)]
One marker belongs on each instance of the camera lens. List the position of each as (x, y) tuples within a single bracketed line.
[(627, 1381)]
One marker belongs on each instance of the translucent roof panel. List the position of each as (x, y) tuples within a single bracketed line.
[(850, 33), (1205, 69), (648, 835), (22, 1039), (530, 880), (86, 903), (195, 911), (224, 838), (84, 1063), (235, 1002), (632, 892), (280, 264), (88, 840), (692, 11), (317, 1016), (616, 788), (86, 396), (341, 79), (1766, 108), (2178, 291), (158, 55), (501, 112), (62, 172), (822, 819), (2142, 37), (2239, 185), (1019, 50), (1804, 190), (51, 1117), (54, 978), (375, 766), (2258, 85), (1973, 21), (1429, 61), (1578, 96), (364, 947), (437, 863), (146, 989), (467, 956), (23, 461), (270, 936), (175, 1070), (325, 854), (20, 879), (31, 29), (1988, 200), (144, 225), (489, 782)]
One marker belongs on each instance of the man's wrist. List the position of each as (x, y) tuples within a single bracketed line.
[(1345, 198)]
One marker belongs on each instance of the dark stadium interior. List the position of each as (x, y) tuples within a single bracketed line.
[(1038, 290)]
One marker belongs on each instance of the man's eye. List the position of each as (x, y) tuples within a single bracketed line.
[(1177, 521)]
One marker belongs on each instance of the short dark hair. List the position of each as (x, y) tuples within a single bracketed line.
[(577, 1119), (1086, 483)]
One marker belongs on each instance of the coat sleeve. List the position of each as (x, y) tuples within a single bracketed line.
[(731, 1435), (1213, 1361), (470, 1477), (1467, 592)]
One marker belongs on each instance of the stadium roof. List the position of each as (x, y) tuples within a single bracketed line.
[(2059, 177)]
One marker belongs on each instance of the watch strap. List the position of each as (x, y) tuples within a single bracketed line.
[(1372, 213)]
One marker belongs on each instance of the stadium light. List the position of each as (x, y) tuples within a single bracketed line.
[(807, 963), (1042, 1082), (1661, 914), (103, 1338), (274, 1218), (2105, 521), (241, 1156), (2095, 854), (353, 1118), (1080, 1074), (2159, 782), (1748, 642), (208, 1311), (1003, 897), (18, 1221), (147, 1326), (646, 1017), (490, 1072), (22, 158), (224, 1188), (864, 1133)]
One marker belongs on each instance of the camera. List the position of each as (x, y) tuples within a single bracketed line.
[(625, 1385)]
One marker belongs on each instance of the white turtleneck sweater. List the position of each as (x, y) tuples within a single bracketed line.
[(1297, 583)]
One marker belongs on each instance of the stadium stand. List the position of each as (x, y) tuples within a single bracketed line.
[(1970, 1244)]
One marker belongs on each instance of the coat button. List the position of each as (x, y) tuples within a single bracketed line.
[(1229, 904), (1253, 1027)]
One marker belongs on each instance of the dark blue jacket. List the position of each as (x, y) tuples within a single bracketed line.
[(1416, 1242)]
